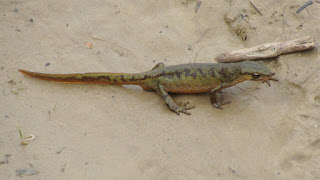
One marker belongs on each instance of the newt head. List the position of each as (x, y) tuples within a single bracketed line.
[(257, 72), (263, 78)]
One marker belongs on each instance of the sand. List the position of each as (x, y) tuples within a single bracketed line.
[(114, 132)]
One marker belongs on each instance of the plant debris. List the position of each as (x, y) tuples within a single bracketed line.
[(26, 172), (304, 6), (198, 6), (89, 45), (5, 159), (26, 140)]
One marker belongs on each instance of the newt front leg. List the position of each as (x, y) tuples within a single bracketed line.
[(215, 100), (182, 107)]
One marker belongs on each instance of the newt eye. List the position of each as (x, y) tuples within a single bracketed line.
[(255, 75)]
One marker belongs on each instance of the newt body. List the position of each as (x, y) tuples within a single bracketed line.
[(183, 78)]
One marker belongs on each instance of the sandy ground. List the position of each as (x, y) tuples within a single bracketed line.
[(114, 132)]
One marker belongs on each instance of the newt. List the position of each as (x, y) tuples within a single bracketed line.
[(183, 78)]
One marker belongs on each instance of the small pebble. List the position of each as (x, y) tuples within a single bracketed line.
[(15, 9), (233, 171), (90, 45), (48, 64), (31, 20), (26, 172), (61, 149)]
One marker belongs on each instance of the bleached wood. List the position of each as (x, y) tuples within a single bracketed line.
[(268, 50)]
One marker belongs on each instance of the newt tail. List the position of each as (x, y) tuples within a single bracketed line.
[(89, 78)]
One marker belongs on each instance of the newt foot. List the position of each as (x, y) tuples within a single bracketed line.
[(183, 107), (219, 104)]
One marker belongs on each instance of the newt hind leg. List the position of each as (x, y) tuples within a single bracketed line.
[(158, 66), (177, 108)]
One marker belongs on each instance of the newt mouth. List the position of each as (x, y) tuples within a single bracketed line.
[(268, 79)]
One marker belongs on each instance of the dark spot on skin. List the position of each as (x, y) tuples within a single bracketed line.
[(169, 76), (237, 70), (186, 70), (223, 72), (232, 75), (106, 77), (71, 79), (117, 80), (203, 74), (91, 79), (194, 75), (212, 73), (122, 78), (178, 74), (188, 73), (163, 73)]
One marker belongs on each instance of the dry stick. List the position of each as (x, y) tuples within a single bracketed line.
[(197, 6), (268, 50), (304, 6), (256, 8)]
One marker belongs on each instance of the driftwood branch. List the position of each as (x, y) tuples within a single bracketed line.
[(268, 50)]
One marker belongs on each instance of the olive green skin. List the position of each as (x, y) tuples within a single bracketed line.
[(202, 77)]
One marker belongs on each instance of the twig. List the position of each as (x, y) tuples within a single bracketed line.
[(268, 50), (304, 6), (6, 159), (256, 8), (198, 6)]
